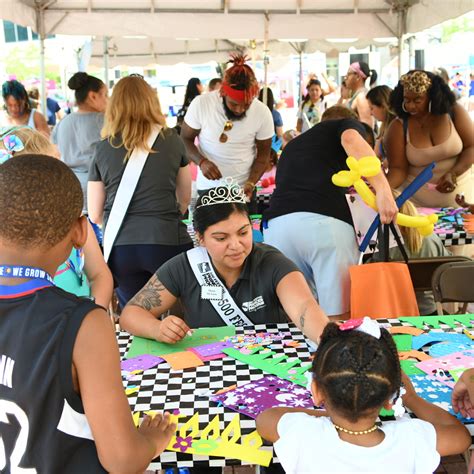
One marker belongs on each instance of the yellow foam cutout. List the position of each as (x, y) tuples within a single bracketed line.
[(211, 441)]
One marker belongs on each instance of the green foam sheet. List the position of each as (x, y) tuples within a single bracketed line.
[(199, 337)]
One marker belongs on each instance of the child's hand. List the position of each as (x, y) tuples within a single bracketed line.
[(172, 329), (158, 430), (410, 390), (461, 399)]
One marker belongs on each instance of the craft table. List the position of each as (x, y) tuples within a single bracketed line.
[(162, 389)]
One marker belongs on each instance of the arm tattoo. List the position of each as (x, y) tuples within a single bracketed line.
[(302, 318), (149, 296)]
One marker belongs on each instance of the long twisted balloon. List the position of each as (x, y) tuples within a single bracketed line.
[(370, 166)]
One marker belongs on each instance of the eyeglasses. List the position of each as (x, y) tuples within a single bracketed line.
[(227, 127)]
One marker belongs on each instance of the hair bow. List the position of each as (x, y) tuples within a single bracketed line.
[(12, 144)]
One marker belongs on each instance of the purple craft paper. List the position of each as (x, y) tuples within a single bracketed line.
[(253, 398), (213, 349), (207, 358), (141, 362)]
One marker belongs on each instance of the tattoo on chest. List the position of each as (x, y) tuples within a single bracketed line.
[(149, 296)]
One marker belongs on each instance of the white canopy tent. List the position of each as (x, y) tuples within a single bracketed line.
[(223, 19)]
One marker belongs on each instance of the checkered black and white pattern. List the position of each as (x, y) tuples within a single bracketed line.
[(164, 389), (456, 238)]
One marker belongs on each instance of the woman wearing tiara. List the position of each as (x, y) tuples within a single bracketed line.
[(227, 280)]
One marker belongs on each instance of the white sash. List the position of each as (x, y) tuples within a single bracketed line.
[(128, 183), (226, 308)]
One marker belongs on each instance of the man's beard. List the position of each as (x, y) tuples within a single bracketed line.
[(231, 115)]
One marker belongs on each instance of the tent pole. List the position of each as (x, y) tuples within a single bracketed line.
[(106, 61), (41, 35), (402, 28), (266, 60), (300, 77)]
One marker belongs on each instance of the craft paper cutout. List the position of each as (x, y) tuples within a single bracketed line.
[(228, 443), (440, 368), (253, 398), (419, 341), (199, 337), (405, 330), (403, 342), (450, 320), (263, 359), (257, 339), (435, 392), (420, 355), (183, 360), (143, 362), (409, 367), (210, 351), (444, 348)]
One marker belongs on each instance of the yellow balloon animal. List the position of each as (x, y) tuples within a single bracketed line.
[(370, 166)]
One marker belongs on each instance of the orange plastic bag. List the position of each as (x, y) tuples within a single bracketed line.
[(382, 290)]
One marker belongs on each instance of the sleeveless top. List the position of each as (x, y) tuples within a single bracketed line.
[(45, 429), (31, 119), (363, 91), (445, 156)]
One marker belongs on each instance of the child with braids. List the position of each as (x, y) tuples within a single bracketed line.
[(356, 373)]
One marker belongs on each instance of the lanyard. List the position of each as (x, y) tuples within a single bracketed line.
[(38, 279)]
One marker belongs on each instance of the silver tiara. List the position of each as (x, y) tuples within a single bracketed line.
[(228, 192)]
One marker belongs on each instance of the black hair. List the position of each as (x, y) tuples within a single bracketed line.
[(40, 198), (356, 372), (270, 98), (81, 83), (313, 82), (17, 90), (372, 73), (205, 216), (192, 91), (440, 95)]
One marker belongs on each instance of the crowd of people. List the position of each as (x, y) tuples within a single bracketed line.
[(114, 167)]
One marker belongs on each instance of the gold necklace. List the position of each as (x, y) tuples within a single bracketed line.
[(357, 433)]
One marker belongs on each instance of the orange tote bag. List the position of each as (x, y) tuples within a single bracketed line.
[(383, 289)]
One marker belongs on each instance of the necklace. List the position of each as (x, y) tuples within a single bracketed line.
[(357, 433)]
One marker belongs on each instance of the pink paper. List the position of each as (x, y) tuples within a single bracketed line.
[(439, 368)]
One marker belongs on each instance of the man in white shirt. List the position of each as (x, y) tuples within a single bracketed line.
[(234, 130)]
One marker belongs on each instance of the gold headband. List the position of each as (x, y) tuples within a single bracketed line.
[(417, 82)]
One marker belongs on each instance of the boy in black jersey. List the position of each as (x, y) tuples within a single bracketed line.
[(62, 404)]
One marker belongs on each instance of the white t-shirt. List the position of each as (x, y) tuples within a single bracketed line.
[(310, 444), (311, 114), (235, 157)]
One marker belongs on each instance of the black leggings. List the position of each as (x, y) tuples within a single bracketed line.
[(133, 265)]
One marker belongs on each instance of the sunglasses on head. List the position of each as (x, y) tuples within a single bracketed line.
[(227, 127)]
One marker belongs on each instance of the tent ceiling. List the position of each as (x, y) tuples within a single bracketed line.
[(211, 19)]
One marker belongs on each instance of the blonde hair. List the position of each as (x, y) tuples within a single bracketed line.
[(131, 112), (413, 239), (34, 142)]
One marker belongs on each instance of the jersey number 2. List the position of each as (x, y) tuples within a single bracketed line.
[(11, 408)]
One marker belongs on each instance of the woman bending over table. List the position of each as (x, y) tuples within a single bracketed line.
[(227, 280)]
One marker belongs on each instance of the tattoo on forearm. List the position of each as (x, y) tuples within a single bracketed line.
[(149, 296), (302, 318)]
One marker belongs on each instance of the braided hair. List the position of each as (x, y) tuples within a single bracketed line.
[(240, 76), (356, 371)]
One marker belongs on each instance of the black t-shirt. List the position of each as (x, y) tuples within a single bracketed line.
[(254, 291), (45, 426), (303, 177)]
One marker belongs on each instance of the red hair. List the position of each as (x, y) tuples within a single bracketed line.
[(239, 81)]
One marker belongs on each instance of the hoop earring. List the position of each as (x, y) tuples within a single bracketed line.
[(403, 107), (429, 107)]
